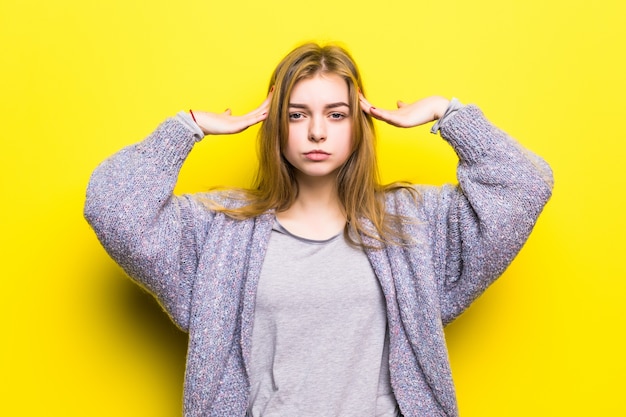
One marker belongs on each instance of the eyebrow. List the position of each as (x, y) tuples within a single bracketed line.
[(328, 106)]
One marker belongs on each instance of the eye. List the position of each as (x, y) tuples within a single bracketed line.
[(337, 115), (295, 116)]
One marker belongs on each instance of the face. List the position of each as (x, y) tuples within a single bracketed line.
[(320, 126)]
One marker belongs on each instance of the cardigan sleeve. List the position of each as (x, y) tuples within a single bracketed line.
[(152, 234), (482, 223)]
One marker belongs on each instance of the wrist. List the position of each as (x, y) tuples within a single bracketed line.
[(193, 116), (200, 119), (185, 118), (439, 106)]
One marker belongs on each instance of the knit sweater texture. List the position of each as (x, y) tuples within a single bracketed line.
[(203, 267)]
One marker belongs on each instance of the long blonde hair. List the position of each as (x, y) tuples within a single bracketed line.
[(358, 187)]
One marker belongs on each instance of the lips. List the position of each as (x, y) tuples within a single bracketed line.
[(316, 155)]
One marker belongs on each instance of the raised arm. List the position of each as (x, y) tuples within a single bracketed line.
[(152, 234), (479, 225)]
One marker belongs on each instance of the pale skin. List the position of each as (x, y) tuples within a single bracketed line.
[(319, 125)]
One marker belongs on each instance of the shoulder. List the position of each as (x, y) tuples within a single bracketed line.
[(422, 202), (414, 195), (219, 200), (229, 205)]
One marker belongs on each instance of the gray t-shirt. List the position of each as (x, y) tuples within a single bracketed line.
[(319, 344)]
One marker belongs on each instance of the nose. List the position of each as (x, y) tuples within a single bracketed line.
[(317, 130)]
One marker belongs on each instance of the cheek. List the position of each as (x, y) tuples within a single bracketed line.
[(294, 141), (344, 132), (296, 132)]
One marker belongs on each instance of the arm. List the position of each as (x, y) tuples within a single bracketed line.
[(152, 234), (489, 216), (480, 225)]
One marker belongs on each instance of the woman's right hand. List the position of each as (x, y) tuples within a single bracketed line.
[(225, 123)]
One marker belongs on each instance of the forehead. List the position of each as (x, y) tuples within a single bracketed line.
[(321, 88)]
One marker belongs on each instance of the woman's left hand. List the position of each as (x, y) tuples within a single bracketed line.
[(408, 115)]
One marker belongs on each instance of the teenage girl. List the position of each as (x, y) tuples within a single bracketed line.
[(319, 291)]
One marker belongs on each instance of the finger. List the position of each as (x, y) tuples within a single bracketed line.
[(265, 105), (262, 109), (386, 116), (250, 119), (366, 106), (375, 112), (259, 118)]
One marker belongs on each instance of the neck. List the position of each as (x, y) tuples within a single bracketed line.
[(317, 212), (318, 194)]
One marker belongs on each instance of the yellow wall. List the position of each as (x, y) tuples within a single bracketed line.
[(81, 79)]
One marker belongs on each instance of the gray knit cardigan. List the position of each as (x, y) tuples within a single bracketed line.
[(203, 267)]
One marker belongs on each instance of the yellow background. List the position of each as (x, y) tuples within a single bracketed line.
[(81, 79)]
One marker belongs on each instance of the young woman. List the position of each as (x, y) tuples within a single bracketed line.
[(318, 292)]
